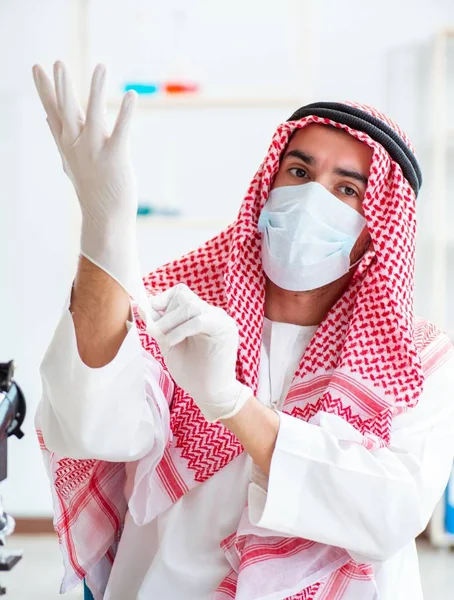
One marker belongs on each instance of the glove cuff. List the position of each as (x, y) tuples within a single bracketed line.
[(117, 255), (227, 403)]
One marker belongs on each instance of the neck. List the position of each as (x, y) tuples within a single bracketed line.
[(303, 308)]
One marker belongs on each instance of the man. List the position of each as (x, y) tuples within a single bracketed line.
[(273, 423)]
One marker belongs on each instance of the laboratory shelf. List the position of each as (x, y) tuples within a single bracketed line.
[(201, 101), (153, 222)]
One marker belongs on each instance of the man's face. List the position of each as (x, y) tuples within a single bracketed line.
[(334, 159)]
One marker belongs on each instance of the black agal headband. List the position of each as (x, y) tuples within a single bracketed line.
[(377, 129)]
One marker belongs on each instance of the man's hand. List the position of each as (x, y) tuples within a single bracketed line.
[(199, 343), (100, 168)]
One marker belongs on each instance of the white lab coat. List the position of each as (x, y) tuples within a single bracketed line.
[(321, 487)]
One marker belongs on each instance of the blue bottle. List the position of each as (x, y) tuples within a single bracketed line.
[(142, 88)]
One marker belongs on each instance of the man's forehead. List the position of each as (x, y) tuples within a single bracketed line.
[(325, 141), (318, 132)]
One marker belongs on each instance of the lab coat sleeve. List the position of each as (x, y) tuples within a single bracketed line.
[(324, 487), (113, 413)]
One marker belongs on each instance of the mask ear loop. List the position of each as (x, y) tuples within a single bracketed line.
[(355, 264)]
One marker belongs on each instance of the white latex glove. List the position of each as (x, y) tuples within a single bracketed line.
[(199, 343), (100, 169)]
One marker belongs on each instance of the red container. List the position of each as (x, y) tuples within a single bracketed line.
[(179, 87)]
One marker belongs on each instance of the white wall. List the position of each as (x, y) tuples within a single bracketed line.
[(352, 40), (34, 222), (351, 45)]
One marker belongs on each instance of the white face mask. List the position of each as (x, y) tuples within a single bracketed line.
[(308, 235)]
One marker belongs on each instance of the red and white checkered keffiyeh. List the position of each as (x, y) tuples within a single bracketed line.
[(366, 363)]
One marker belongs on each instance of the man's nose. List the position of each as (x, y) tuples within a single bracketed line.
[(324, 180)]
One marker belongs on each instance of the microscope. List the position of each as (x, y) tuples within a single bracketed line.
[(12, 414)]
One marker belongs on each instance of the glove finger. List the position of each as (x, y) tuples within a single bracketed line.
[(54, 135), (154, 314), (97, 102), (174, 318), (71, 113), (57, 141), (172, 297), (123, 123), (46, 92), (154, 331), (161, 301), (199, 325)]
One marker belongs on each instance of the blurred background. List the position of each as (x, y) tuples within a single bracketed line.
[(215, 79)]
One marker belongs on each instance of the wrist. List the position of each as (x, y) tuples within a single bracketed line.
[(113, 248), (114, 229), (257, 428), (228, 403), (112, 243)]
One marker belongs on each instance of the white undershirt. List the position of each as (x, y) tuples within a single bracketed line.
[(86, 413)]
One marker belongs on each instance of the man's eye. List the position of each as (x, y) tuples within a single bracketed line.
[(298, 172), (348, 191)]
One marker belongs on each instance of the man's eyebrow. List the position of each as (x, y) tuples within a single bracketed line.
[(353, 174), (310, 160), (307, 158)]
